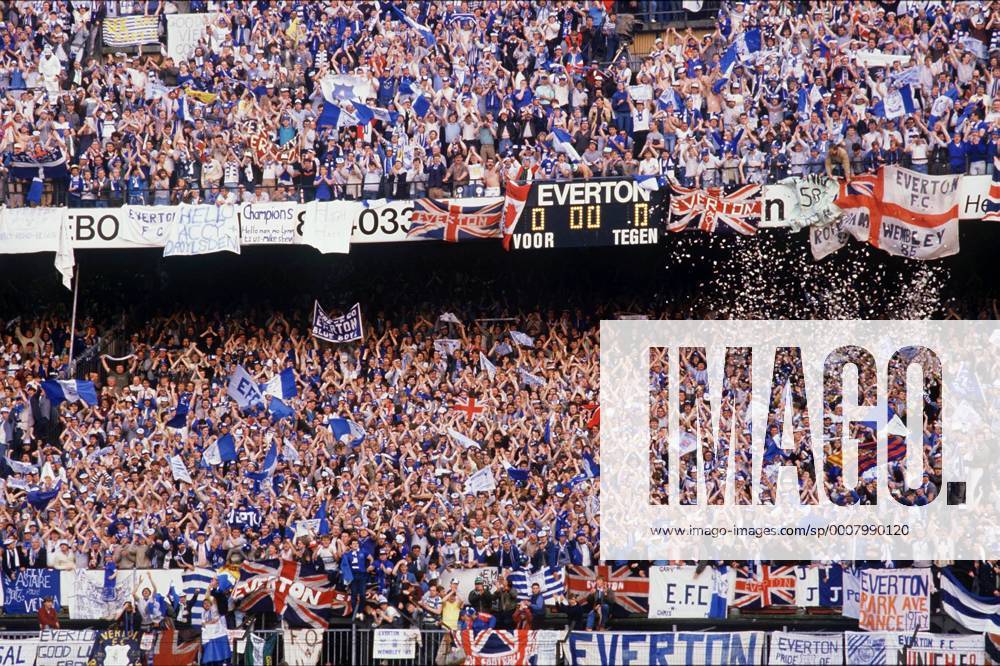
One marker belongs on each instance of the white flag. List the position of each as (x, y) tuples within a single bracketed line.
[(179, 470), (486, 366), (530, 379), (450, 318), (522, 339), (466, 442), (291, 454), (481, 481), (447, 346), (211, 455)]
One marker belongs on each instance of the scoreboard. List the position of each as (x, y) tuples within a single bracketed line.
[(591, 213)]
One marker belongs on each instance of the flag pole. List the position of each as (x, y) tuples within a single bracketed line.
[(72, 323)]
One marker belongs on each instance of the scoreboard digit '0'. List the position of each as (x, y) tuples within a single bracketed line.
[(593, 213)]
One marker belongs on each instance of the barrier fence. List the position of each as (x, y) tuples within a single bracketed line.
[(55, 192)]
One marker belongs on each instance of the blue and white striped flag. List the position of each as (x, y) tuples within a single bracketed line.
[(194, 584), (742, 50), (549, 579), (562, 142), (282, 385), (975, 613), (670, 97), (424, 31), (72, 390)]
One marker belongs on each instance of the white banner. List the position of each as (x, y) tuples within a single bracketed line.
[(271, 223), (892, 648), (130, 226), (18, 653), (806, 587), (65, 647), (184, 31), (878, 59), (795, 648), (24, 230), (396, 643), (682, 592), (467, 579), (203, 229), (303, 647), (919, 214), (481, 481), (327, 227), (88, 599)]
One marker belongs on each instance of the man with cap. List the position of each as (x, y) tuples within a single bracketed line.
[(355, 566), (480, 597)]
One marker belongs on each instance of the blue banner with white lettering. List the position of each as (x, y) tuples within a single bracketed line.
[(345, 328), (23, 594), (244, 517), (744, 648)]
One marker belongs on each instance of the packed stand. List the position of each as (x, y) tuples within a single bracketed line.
[(396, 502), (470, 95)]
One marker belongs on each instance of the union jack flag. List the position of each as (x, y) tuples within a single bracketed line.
[(497, 647), (772, 586), (442, 220), (628, 591), (859, 192), (301, 593), (993, 197), (738, 209), (176, 646)]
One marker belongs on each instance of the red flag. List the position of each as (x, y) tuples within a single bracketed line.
[(595, 418)]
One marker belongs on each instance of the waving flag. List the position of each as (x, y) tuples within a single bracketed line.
[(423, 30), (741, 51), (516, 475), (282, 385), (179, 470), (41, 498), (340, 88), (549, 579), (896, 104), (131, 30), (299, 593), (25, 164), (59, 390), (345, 428), (522, 339), (486, 366), (562, 142), (194, 585), (517, 197), (243, 389), (736, 208), (466, 442), (266, 469), (670, 97), (220, 451), (278, 409), (442, 220)]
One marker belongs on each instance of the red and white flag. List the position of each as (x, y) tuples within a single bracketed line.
[(909, 214), (517, 195)]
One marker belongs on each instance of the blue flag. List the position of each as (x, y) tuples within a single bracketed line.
[(59, 390), (324, 524), (424, 31), (278, 409), (345, 428), (267, 469), (41, 498), (282, 385), (745, 45)]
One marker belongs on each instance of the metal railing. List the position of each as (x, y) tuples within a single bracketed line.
[(55, 193)]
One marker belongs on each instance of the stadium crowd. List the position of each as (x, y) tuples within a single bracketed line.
[(476, 93)]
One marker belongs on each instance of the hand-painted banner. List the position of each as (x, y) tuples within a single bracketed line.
[(684, 592), (863, 648), (796, 648), (65, 647), (686, 648), (184, 31), (466, 579), (18, 652), (25, 230), (910, 214), (327, 227), (23, 594), (395, 643), (895, 600), (277, 223), (203, 229), (303, 647), (117, 646)]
